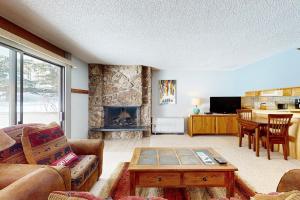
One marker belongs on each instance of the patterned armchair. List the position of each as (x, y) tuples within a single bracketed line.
[(81, 175)]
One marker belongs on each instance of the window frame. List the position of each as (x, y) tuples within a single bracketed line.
[(16, 102)]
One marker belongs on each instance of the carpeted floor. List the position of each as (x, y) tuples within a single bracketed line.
[(258, 172), (117, 186)]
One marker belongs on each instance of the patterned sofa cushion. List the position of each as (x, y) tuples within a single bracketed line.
[(82, 169), (44, 144), (71, 195), (14, 154)]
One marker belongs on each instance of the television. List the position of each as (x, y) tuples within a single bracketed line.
[(225, 104)]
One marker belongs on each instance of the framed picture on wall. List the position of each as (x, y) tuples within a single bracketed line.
[(167, 92)]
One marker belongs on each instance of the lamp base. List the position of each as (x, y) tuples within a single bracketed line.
[(196, 111)]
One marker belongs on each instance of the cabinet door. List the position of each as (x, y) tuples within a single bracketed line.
[(287, 92), (251, 94), (296, 91), (226, 125), (204, 124)]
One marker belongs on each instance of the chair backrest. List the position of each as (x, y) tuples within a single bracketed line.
[(278, 124), (244, 114), (250, 125)]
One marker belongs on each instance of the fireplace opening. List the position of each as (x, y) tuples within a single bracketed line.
[(118, 117)]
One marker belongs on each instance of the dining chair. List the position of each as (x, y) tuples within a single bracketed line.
[(246, 127), (278, 132)]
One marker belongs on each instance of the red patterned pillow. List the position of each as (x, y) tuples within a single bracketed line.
[(72, 195), (14, 154), (44, 144), (141, 198), (66, 160)]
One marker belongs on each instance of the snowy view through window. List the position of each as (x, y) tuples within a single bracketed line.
[(41, 89)]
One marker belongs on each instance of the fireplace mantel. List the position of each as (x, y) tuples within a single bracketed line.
[(103, 129)]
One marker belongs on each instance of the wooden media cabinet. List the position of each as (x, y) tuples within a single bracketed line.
[(225, 124)]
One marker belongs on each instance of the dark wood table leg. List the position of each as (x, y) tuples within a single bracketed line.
[(257, 140), (132, 183), (230, 185)]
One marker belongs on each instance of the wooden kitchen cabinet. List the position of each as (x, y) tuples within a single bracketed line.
[(252, 93), (296, 91), (227, 125), (287, 92), (212, 124)]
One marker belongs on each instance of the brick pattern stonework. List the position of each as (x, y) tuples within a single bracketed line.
[(96, 117), (122, 85), (119, 85), (146, 99)]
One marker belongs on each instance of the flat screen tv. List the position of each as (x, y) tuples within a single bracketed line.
[(225, 104)]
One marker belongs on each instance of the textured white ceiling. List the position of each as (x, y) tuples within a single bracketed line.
[(167, 34)]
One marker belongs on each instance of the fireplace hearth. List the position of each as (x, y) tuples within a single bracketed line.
[(120, 117)]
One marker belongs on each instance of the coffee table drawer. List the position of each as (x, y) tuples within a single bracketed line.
[(204, 178), (159, 179)]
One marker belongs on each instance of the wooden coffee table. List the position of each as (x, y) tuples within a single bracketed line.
[(178, 167)]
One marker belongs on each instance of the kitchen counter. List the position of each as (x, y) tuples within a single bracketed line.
[(295, 112), (294, 130)]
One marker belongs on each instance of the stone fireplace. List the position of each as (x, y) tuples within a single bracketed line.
[(120, 117), (119, 101)]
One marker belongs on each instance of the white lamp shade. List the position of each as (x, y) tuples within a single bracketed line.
[(196, 101), (5, 141)]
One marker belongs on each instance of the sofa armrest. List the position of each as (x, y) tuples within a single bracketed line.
[(65, 173), (10, 173), (35, 185), (289, 181), (89, 147)]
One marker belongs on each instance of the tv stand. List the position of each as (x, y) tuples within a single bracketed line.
[(212, 124)]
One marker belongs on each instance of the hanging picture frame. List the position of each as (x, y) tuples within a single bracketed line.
[(167, 92)]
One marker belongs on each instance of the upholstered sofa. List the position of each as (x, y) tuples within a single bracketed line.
[(80, 176), (24, 182)]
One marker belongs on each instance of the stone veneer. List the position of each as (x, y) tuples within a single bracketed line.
[(119, 85)]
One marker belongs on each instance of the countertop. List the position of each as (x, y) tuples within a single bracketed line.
[(295, 112)]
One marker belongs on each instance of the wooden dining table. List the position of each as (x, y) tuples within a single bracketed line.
[(259, 124)]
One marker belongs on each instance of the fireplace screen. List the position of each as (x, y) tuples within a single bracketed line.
[(121, 117)]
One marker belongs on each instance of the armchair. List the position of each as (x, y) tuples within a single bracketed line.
[(80, 176), (289, 181), (37, 184)]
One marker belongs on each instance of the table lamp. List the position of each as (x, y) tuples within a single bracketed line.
[(5, 141), (196, 102)]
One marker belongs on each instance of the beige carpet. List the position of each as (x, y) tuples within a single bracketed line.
[(259, 172)]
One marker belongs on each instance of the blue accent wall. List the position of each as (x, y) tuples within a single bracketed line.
[(277, 71), (280, 70)]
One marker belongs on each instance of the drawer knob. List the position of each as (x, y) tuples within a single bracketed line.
[(204, 178), (159, 179)]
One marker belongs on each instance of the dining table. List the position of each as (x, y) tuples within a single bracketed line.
[(259, 124)]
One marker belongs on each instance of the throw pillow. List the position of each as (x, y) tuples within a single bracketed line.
[(72, 195), (14, 154), (44, 144), (66, 160)]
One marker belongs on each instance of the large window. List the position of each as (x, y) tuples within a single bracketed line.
[(6, 89), (31, 89)]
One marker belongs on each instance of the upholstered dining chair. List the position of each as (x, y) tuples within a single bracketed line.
[(278, 132), (246, 127)]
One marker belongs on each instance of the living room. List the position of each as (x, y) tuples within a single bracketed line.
[(149, 99)]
